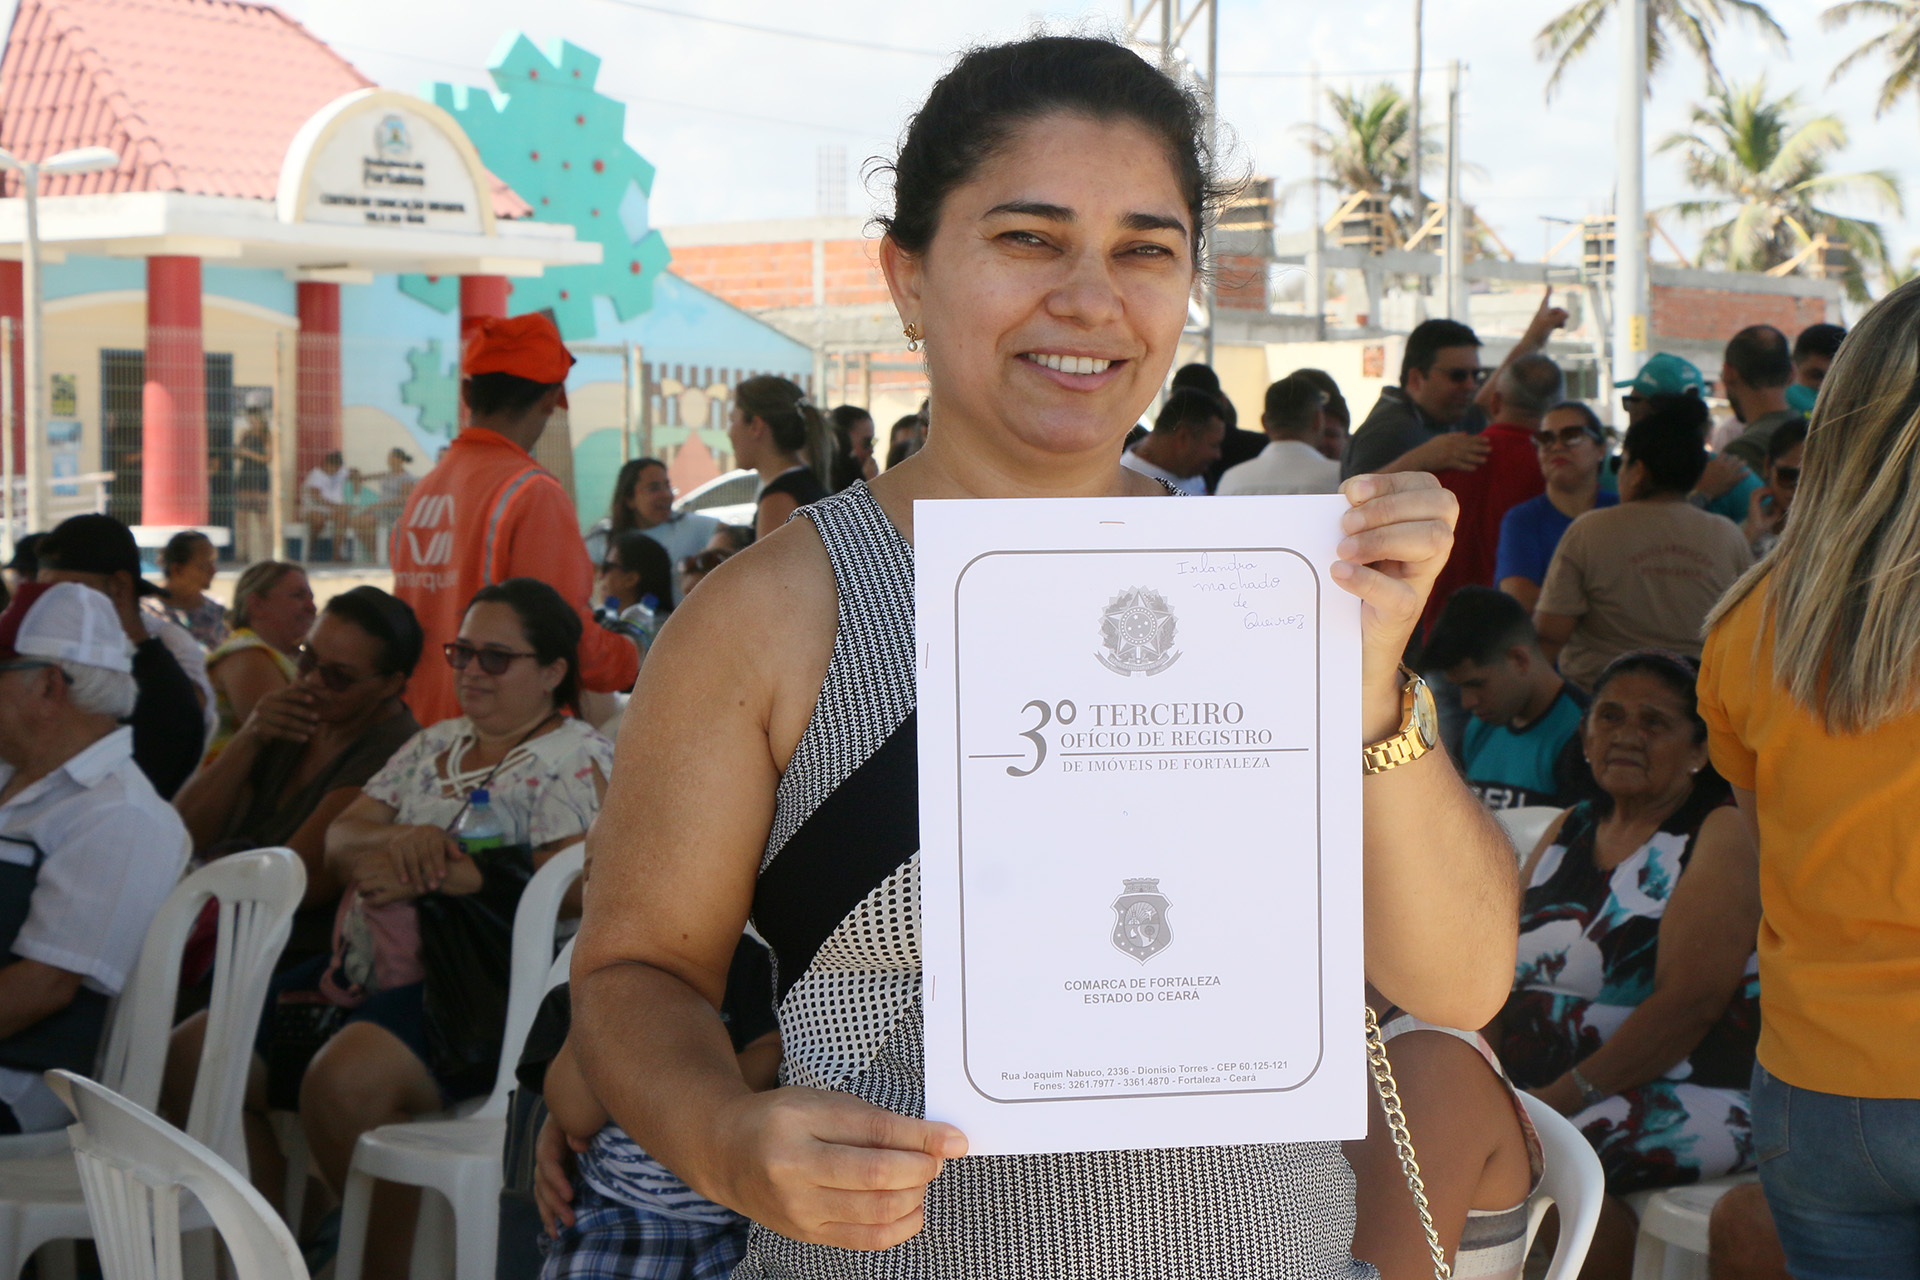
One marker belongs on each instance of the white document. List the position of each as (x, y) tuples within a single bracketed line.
[(1139, 823)]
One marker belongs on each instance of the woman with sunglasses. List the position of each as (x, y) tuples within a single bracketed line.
[(1767, 509), (1572, 446), (306, 750), (516, 669)]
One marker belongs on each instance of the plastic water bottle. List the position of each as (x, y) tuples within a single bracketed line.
[(479, 827), (610, 616), (644, 619)]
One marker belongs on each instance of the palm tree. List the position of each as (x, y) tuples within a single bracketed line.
[(1369, 147), (1767, 168), (1694, 23), (1899, 43)]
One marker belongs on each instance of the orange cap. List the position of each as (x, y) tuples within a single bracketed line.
[(526, 346)]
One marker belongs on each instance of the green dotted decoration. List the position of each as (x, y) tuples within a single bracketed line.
[(562, 148), (434, 389)]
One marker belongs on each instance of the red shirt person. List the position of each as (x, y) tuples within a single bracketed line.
[(488, 512), (1524, 390)]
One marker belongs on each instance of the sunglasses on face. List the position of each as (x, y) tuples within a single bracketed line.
[(1566, 437), (492, 661), (1461, 377), (336, 678), (1786, 477)]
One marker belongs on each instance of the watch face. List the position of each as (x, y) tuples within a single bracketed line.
[(1426, 719)]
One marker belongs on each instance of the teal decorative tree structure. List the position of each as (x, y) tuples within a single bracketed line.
[(434, 389), (562, 147)]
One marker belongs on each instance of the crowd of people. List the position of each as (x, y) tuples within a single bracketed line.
[(1691, 642)]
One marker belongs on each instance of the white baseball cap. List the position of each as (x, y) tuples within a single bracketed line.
[(64, 622)]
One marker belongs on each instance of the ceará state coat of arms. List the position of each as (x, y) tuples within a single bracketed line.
[(1137, 628), (1140, 920)]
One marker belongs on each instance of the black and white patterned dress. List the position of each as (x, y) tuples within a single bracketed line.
[(838, 903)]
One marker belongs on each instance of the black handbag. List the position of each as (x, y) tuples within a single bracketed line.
[(466, 953)]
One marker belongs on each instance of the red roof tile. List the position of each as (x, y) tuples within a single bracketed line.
[(198, 96)]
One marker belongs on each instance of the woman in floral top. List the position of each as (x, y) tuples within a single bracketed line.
[(517, 677)]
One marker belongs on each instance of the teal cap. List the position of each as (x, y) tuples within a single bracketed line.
[(1666, 375), (1800, 399)]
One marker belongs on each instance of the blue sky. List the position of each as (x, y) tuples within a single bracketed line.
[(732, 117)]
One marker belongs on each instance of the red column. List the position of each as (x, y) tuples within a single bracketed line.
[(316, 388), (173, 404), (480, 297), (13, 300)]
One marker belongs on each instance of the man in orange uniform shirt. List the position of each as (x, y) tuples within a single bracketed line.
[(488, 512)]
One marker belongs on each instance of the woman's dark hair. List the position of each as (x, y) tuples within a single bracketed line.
[(976, 107), (389, 620), (620, 516), (181, 547), (846, 468), (739, 535), (1681, 406), (635, 552), (1785, 438), (797, 425), (551, 626), (1669, 446), (1680, 674), (899, 448)]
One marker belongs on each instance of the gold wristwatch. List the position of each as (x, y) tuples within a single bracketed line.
[(1419, 729)]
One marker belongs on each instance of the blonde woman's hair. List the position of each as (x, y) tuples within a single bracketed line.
[(1843, 586), (256, 581)]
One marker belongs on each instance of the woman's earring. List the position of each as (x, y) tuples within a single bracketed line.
[(912, 330)]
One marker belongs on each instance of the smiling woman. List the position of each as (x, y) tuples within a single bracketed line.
[(1051, 202)]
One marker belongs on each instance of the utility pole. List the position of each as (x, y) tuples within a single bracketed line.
[(1455, 244), (1630, 198), (1413, 109), (1161, 31), (1316, 264)]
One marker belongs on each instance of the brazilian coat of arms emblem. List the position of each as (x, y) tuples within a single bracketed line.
[(1140, 920), (1137, 627)]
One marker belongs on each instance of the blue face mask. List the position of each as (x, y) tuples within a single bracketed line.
[(1800, 399)]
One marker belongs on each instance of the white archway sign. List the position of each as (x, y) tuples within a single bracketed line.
[(380, 158)]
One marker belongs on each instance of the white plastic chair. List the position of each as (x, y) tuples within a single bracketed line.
[(1525, 826), (1673, 1228), (133, 1166), (1573, 1181), (461, 1159), (40, 1196)]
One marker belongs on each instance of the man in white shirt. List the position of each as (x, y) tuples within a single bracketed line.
[(1295, 418), (323, 497), (88, 849), (1185, 441)]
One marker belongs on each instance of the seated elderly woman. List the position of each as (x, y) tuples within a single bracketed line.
[(1635, 1009), (307, 749)]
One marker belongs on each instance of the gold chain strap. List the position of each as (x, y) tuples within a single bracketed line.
[(1403, 1141)]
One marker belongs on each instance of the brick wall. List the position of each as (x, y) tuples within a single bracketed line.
[(755, 277), (1242, 283), (1715, 315)]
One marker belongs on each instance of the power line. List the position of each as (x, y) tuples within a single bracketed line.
[(471, 70), (1308, 75), (873, 46)]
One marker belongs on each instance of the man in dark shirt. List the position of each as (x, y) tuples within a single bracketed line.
[(169, 728), (1754, 376), (1424, 424)]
